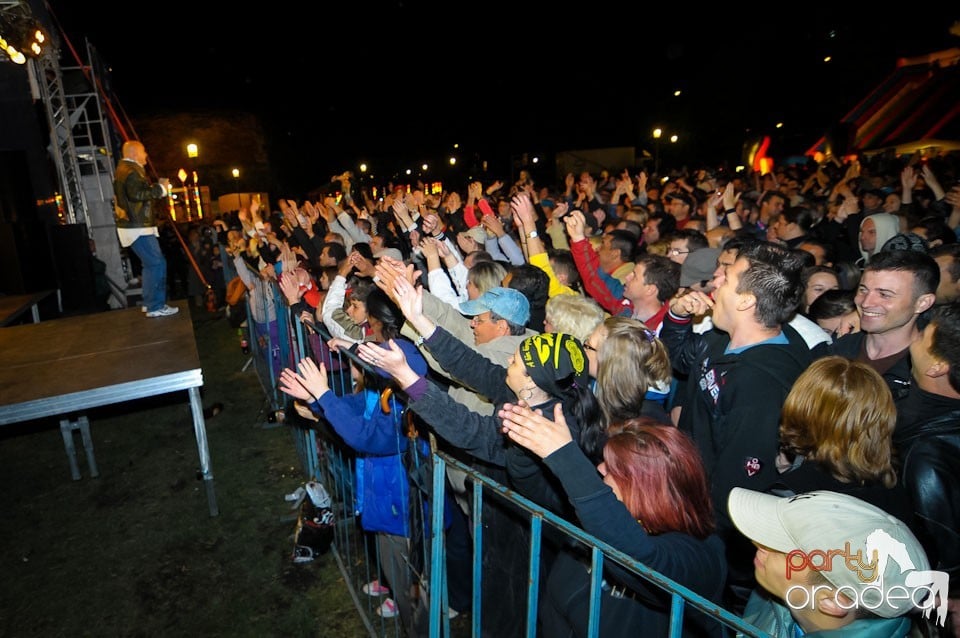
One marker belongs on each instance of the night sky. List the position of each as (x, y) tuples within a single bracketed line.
[(336, 84)]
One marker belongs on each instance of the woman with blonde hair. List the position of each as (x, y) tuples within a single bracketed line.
[(573, 314), (836, 429), (632, 370), (483, 276)]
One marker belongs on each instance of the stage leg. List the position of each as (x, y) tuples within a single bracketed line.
[(84, 425), (66, 430), (67, 427), (200, 430)]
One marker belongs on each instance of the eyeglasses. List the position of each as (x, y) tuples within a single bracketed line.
[(677, 251), (476, 320)]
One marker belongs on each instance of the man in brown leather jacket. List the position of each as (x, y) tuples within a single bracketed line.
[(137, 227)]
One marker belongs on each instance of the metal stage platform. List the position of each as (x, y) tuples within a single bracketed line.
[(66, 366)]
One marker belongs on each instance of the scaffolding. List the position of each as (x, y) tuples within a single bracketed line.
[(85, 130)]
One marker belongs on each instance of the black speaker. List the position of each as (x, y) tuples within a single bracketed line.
[(70, 247)]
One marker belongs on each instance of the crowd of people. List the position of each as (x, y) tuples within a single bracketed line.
[(746, 382)]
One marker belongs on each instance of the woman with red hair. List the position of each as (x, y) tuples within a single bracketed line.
[(649, 499)]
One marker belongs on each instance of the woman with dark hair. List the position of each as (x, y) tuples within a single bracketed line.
[(836, 312), (649, 499), (817, 280)]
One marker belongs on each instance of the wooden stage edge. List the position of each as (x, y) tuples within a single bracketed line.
[(64, 367)]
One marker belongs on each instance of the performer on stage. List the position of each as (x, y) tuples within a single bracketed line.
[(137, 227)]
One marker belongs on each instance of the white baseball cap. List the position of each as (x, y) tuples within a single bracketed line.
[(824, 521)]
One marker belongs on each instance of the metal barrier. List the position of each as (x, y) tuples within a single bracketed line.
[(599, 551), (281, 341)]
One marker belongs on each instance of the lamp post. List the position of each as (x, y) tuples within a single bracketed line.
[(193, 152), (657, 132), (236, 181), (182, 176)]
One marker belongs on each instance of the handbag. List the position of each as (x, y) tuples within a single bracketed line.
[(236, 291)]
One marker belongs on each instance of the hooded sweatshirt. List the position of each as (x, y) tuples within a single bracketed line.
[(887, 226)]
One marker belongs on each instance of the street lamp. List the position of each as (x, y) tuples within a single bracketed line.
[(182, 176), (236, 181), (657, 132), (193, 152)]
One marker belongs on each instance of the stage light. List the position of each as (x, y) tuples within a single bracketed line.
[(20, 33)]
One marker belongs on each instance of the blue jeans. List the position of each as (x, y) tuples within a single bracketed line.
[(154, 275)]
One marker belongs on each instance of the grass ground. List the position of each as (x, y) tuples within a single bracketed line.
[(135, 552)]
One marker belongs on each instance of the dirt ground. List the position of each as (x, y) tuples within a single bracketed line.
[(135, 552)]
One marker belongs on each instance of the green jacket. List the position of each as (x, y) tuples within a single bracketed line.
[(134, 196)]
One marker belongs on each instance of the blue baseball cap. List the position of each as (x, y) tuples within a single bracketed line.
[(508, 303)]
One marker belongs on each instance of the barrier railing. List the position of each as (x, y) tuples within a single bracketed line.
[(279, 340), (680, 596)]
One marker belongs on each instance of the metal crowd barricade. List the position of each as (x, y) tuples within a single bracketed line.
[(279, 340), (599, 552)]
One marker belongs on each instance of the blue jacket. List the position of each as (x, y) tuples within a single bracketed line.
[(768, 614), (382, 489)]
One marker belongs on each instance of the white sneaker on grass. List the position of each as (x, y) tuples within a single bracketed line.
[(374, 588), (388, 609)]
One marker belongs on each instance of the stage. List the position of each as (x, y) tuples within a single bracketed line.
[(66, 366)]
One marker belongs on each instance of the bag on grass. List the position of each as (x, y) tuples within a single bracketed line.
[(314, 533)]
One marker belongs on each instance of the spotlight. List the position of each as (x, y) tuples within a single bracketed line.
[(20, 33)]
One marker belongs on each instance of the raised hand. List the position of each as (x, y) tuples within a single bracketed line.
[(430, 224), (730, 197), (409, 299), (523, 210), (389, 270), (402, 213), (493, 224), (290, 287), (576, 222), (428, 246), (309, 384), (534, 431), (908, 178), (390, 359)]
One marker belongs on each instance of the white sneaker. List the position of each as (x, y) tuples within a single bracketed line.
[(388, 609), (374, 588), (165, 311)]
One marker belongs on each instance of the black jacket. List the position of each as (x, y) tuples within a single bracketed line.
[(810, 476), (731, 404), (134, 196), (931, 473), (731, 409), (898, 377)]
